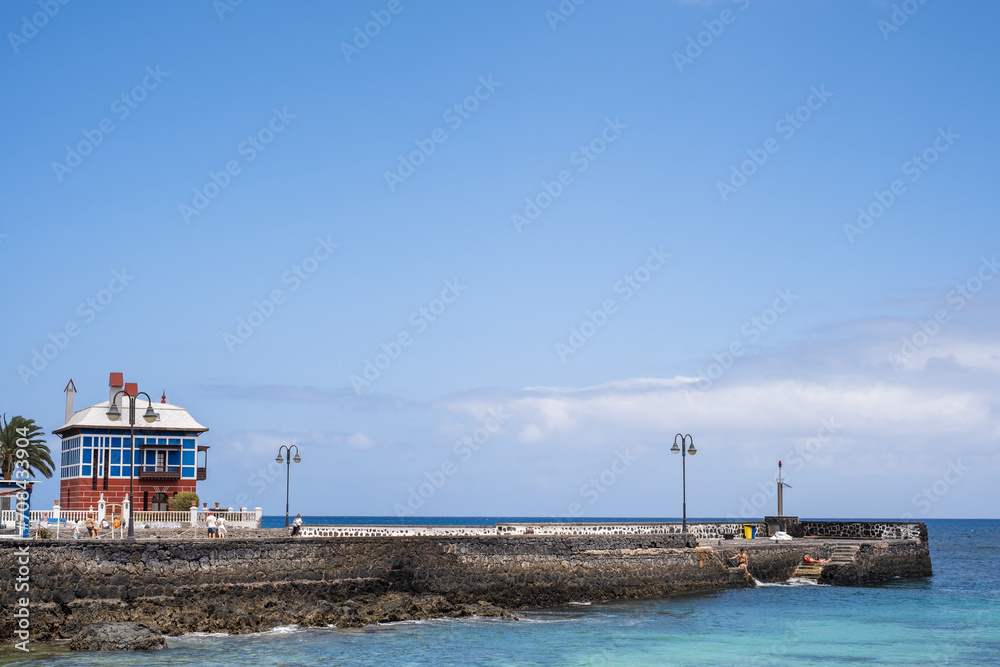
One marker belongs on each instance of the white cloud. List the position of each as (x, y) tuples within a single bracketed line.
[(360, 441), (972, 355), (872, 407)]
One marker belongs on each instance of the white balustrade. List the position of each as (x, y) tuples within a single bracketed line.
[(65, 519)]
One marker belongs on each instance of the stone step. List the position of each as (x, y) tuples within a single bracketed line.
[(841, 554), (844, 553), (808, 571)]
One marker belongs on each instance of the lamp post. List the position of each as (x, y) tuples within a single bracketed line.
[(692, 451), (781, 491), (114, 414), (288, 469)]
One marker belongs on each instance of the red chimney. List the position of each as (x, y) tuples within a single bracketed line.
[(115, 384)]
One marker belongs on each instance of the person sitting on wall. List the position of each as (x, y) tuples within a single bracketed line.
[(91, 527), (296, 525), (809, 559), (742, 561)]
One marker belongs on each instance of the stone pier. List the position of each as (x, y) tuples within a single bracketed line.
[(250, 585)]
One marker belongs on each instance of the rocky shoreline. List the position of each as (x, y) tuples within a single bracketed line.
[(104, 635)]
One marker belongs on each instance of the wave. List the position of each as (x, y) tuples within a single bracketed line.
[(280, 630), (791, 583), (433, 621)]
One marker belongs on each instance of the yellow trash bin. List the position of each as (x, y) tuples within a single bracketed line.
[(748, 531)]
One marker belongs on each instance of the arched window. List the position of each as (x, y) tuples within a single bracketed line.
[(160, 503)]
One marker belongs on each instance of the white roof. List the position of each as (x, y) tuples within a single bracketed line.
[(171, 417)]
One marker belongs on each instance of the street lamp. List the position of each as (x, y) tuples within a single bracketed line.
[(692, 451), (114, 414), (288, 469)]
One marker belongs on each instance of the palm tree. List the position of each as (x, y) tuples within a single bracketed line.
[(37, 459)]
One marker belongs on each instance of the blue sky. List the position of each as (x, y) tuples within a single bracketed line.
[(591, 212)]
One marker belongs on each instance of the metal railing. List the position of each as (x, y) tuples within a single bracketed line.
[(159, 472)]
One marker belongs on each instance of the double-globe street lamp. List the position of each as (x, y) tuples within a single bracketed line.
[(288, 469), (692, 451), (114, 414)]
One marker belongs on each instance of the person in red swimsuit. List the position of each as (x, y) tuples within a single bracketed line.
[(809, 559)]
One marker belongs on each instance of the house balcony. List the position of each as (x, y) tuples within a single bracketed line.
[(160, 472), (201, 474)]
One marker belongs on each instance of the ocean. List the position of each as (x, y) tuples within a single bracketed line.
[(952, 618)]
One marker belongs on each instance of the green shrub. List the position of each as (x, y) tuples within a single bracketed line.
[(184, 501)]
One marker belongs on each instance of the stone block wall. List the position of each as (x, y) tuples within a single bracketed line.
[(701, 530), (865, 530)]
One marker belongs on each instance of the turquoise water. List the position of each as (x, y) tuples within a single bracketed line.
[(952, 618)]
